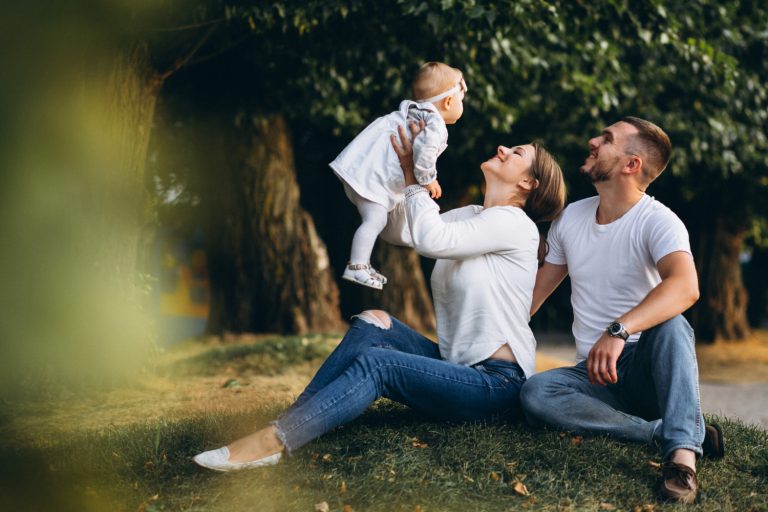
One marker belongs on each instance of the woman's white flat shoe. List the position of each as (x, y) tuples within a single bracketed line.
[(218, 460)]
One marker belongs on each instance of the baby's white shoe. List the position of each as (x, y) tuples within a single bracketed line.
[(362, 273), (218, 460), (378, 275)]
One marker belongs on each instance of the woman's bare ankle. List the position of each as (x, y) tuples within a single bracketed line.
[(261, 443)]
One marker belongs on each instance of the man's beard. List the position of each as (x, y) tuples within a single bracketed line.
[(600, 171)]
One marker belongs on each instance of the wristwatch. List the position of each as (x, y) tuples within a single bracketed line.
[(617, 330)]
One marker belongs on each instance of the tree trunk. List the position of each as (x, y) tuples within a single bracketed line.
[(721, 313), (269, 269), (131, 93), (757, 286)]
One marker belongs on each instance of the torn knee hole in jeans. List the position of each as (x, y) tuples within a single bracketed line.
[(372, 318)]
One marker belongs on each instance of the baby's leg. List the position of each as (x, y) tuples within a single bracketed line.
[(374, 217), (374, 220)]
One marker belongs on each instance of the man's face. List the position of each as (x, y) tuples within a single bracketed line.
[(607, 152)]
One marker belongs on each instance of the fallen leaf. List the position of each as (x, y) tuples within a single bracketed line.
[(495, 476), (520, 489), (347, 508), (576, 440), (322, 507), (231, 383), (607, 506), (417, 509), (468, 478), (563, 434), (654, 464), (343, 487), (417, 443), (327, 457), (509, 467)]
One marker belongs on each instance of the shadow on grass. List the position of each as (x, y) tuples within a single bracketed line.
[(390, 459)]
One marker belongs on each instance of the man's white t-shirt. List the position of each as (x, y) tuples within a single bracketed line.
[(612, 266)]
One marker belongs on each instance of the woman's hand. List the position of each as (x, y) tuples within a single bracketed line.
[(404, 150)]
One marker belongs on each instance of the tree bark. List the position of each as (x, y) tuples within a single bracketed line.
[(132, 88), (269, 269), (721, 313), (757, 286)]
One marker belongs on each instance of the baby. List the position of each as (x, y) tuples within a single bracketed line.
[(370, 170)]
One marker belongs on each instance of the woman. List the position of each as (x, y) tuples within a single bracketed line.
[(487, 257)]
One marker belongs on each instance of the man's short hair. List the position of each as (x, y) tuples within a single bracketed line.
[(652, 144)]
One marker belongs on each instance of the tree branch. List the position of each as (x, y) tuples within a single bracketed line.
[(183, 61), (211, 55), (179, 28)]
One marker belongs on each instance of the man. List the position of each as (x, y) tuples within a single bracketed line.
[(632, 275)]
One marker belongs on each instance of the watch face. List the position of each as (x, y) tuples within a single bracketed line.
[(614, 328)]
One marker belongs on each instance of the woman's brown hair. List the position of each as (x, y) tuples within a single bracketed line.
[(546, 201)]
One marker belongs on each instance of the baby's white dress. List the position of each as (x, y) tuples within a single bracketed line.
[(369, 164)]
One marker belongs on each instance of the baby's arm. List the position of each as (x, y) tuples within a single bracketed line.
[(426, 148), (434, 189)]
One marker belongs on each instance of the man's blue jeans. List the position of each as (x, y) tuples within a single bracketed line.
[(655, 399), (400, 364)]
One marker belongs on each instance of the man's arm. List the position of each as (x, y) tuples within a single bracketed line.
[(677, 291), (548, 278)]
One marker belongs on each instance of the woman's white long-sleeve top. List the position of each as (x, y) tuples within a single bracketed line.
[(482, 283), (369, 164)]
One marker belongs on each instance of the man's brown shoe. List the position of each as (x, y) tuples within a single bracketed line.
[(713, 445), (678, 482)]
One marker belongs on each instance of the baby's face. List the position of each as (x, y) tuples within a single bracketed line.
[(456, 109), (453, 114)]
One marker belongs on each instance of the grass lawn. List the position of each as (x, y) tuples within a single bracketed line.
[(129, 449)]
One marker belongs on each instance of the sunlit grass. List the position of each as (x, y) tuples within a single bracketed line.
[(390, 459)]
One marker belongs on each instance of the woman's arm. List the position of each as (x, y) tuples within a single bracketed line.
[(404, 150), (492, 230)]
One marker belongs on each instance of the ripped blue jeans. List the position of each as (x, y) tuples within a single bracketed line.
[(400, 364)]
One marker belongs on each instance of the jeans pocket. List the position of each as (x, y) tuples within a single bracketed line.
[(506, 371)]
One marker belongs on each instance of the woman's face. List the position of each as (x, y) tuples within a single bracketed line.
[(510, 164)]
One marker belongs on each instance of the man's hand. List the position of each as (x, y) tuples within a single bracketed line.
[(601, 362), (434, 189), (404, 150)]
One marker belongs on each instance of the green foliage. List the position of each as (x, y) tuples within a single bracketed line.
[(536, 69), (557, 70)]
